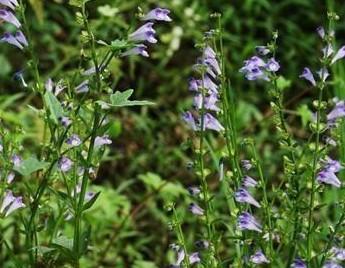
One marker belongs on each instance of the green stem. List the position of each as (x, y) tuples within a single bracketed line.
[(313, 184)]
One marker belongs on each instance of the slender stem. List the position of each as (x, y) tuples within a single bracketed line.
[(313, 184)]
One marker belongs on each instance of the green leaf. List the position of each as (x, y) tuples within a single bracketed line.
[(120, 99), (89, 203), (30, 165), (54, 106), (144, 264), (282, 83), (119, 44), (305, 114)]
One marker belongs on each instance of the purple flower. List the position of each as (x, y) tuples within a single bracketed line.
[(246, 164), (332, 264), (247, 222), (209, 53), (194, 190), (19, 76), (258, 258), (56, 89), (189, 119), (11, 203), (65, 164), (16, 160), (339, 55), (10, 177), (213, 64), (102, 140), (212, 123), (139, 49), (327, 51), (308, 75), (194, 258), (65, 121), (262, 50), (159, 14), (338, 253), (9, 3), (323, 74), (272, 65), (337, 112), (12, 40), (73, 140), (202, 244), (253, 69), (321, 32), (195, 209), (298, 263), (1, 148), (194, 84), (21, 38), (209, 84), (248, 182), (243, 196), (330, 141), (144, 33), (8, 16), (83, 87), (327, 174)]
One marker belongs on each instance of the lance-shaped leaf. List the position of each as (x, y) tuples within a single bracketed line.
[(54, 106), (121, 99)]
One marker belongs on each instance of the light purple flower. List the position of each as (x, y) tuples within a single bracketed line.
[(194, 190), (9, 17), (73, 140), (321, 32), (194, 84), (102, 140), (65, 164), (339, 55), (9, 3), (243, 196), (298, 263), (19, 76), (10, 177), (331, 264), (8, 199), (253, 69), (338, 253), (262, 50), (83, 87), (195, 209), (258, 258), (16, 204), (337, 112), (213, 64), (323, 74), (330, 141), (21, 38), (328, 178), (212, 123), (139, 49), (11, 39), (249, 182), (272, 65), (209, 84), (194, 258), (327, 51), (65, 121), (247, 222), (159, 14), (308, 75), (180, 257), (202, 244), (209, 53), (144, 33), (189, 119), (1, 148), (16, 160), (246, 164), (11, 203)]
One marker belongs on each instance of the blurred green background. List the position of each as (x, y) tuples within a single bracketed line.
[(147, 165)]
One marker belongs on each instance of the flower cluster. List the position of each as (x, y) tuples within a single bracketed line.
[(260, 68), (206, 94), (146, 33), (181, 255), (245, 220), (327, 173), (17, 39), (10, 203)]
